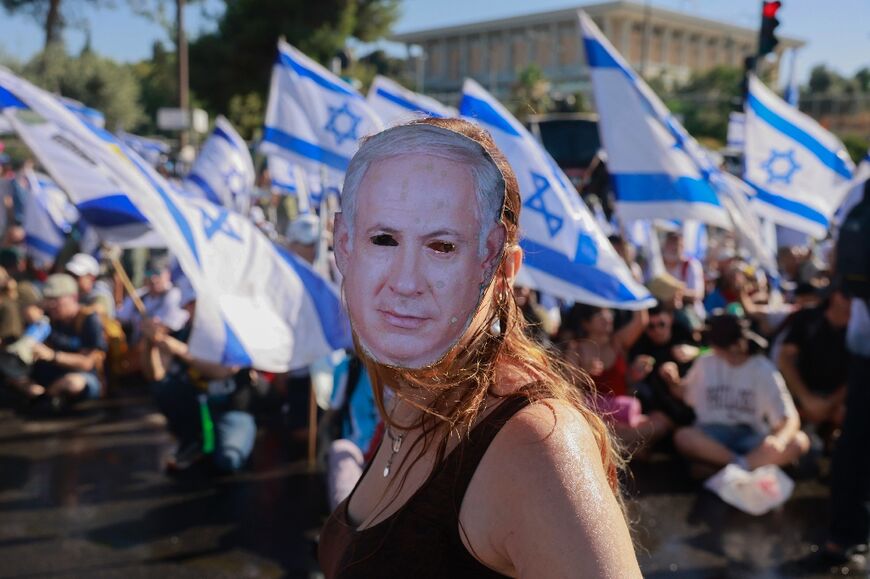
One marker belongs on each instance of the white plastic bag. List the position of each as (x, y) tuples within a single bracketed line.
[(755, 492)]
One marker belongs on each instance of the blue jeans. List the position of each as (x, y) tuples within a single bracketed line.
[(738, 438), (235, 430)]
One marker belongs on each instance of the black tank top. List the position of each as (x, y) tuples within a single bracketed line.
[(421, 540)]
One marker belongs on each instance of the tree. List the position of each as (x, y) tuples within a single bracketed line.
[(705, 101), (531, 92), (53, 14), (237, 58), (98, 82), (158, 84)]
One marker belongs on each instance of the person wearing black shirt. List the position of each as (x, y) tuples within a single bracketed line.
[(661, 356), (815, 362)]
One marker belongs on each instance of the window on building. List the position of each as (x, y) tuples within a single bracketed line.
[(496, 54), (635, 44), (658, 46), (453, 59), (675, 49), (569, 45), (519, 52), (475, 55)]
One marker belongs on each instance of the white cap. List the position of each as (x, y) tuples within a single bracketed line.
[(83, 264), (305, 230)]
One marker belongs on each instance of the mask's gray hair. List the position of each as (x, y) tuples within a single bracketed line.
[(438, 142)]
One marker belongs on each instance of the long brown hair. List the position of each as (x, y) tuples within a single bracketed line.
[(456, 387)]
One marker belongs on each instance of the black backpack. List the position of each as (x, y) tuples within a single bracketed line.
[(853, 249)]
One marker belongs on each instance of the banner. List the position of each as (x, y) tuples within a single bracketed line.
[(566, 253), (48, 218)]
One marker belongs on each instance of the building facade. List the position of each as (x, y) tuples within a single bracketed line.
[(656, 42)]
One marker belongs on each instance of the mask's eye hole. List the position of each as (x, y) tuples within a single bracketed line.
[(384, 239), (443, 246)]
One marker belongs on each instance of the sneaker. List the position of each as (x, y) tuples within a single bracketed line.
[(186, 456)]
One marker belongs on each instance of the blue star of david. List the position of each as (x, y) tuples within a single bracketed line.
[(343, 124), (536, 203), (218, 224), (233, 179), (781, 166)]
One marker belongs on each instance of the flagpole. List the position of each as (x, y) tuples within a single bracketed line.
[(128, 285)]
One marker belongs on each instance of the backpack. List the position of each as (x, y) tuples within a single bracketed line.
[(853, 249), (116, 363)]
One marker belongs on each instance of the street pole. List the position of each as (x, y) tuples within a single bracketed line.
[(183, 76)]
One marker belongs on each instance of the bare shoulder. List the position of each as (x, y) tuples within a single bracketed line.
[(546, 463)]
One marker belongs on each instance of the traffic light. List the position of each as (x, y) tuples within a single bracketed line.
[(767, 40)]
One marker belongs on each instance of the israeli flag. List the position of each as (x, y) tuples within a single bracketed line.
[(152, 150), (792, 93), (395, 104), (658, 170), (566, 253), (855, 189), (289, 179), (99, 196), (735, 138), (223, 172), (314, 118), (86, 113), (48, 218), (796, 166), (694, 239), (256, 306), (736, 196)]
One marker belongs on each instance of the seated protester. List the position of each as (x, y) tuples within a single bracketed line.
[(16, 360), (10, 313), (661, 357), (92, 291), (353, 418), (668, 291), (161, 298), (67, 365), (744, 412), (181, 383), (814, 360)]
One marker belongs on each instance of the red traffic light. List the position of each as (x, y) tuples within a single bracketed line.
[(770, 9)]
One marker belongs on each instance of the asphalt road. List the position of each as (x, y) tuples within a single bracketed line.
[(85, 496)]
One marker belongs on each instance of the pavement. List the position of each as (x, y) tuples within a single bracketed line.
[(85, 496)]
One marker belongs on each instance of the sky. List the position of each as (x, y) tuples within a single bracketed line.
[(836, 32)]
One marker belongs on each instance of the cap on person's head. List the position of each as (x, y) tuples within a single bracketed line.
[(59, 285), (664, 287), (83, 264), (157, 265), (28, 295), (304, 230), (725, 330)]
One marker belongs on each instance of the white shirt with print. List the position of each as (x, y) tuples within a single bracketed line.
[(753, 393)]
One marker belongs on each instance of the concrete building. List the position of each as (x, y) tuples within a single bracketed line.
[(657, 43)]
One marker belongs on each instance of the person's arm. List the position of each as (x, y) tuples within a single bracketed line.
[(565, 520), (84, 361), (209, 370), (787, 364), (627, 335), (155, 360)]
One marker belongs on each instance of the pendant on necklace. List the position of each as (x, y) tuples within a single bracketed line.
[(386, 471)]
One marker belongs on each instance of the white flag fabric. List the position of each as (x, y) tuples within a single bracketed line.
[(395, 104), (658, 170), (694, 239), (256, 306), (223, 172), (99, 196), (792, 94), (48, 218), (736, 196), (855, 189), (796, 166), (736, 131), (289, 179), (314, 118), (566, 253), (152, 150)]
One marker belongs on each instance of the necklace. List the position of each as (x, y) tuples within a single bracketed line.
[(396, 446)]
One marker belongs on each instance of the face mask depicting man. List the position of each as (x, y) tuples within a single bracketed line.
[(418, 241)]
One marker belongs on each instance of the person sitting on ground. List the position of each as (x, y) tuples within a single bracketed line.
[(181, 383), (814, 360), (10, 313), (92, 291), (662, 356), (745, 414), (162, 300), (68, 363)]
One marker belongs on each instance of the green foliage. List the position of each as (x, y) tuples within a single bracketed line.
[(98, 82), (246, 113), (531, 92), (705, 101), (52, 15), (856, 146), (158, 83), (237, 58)]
